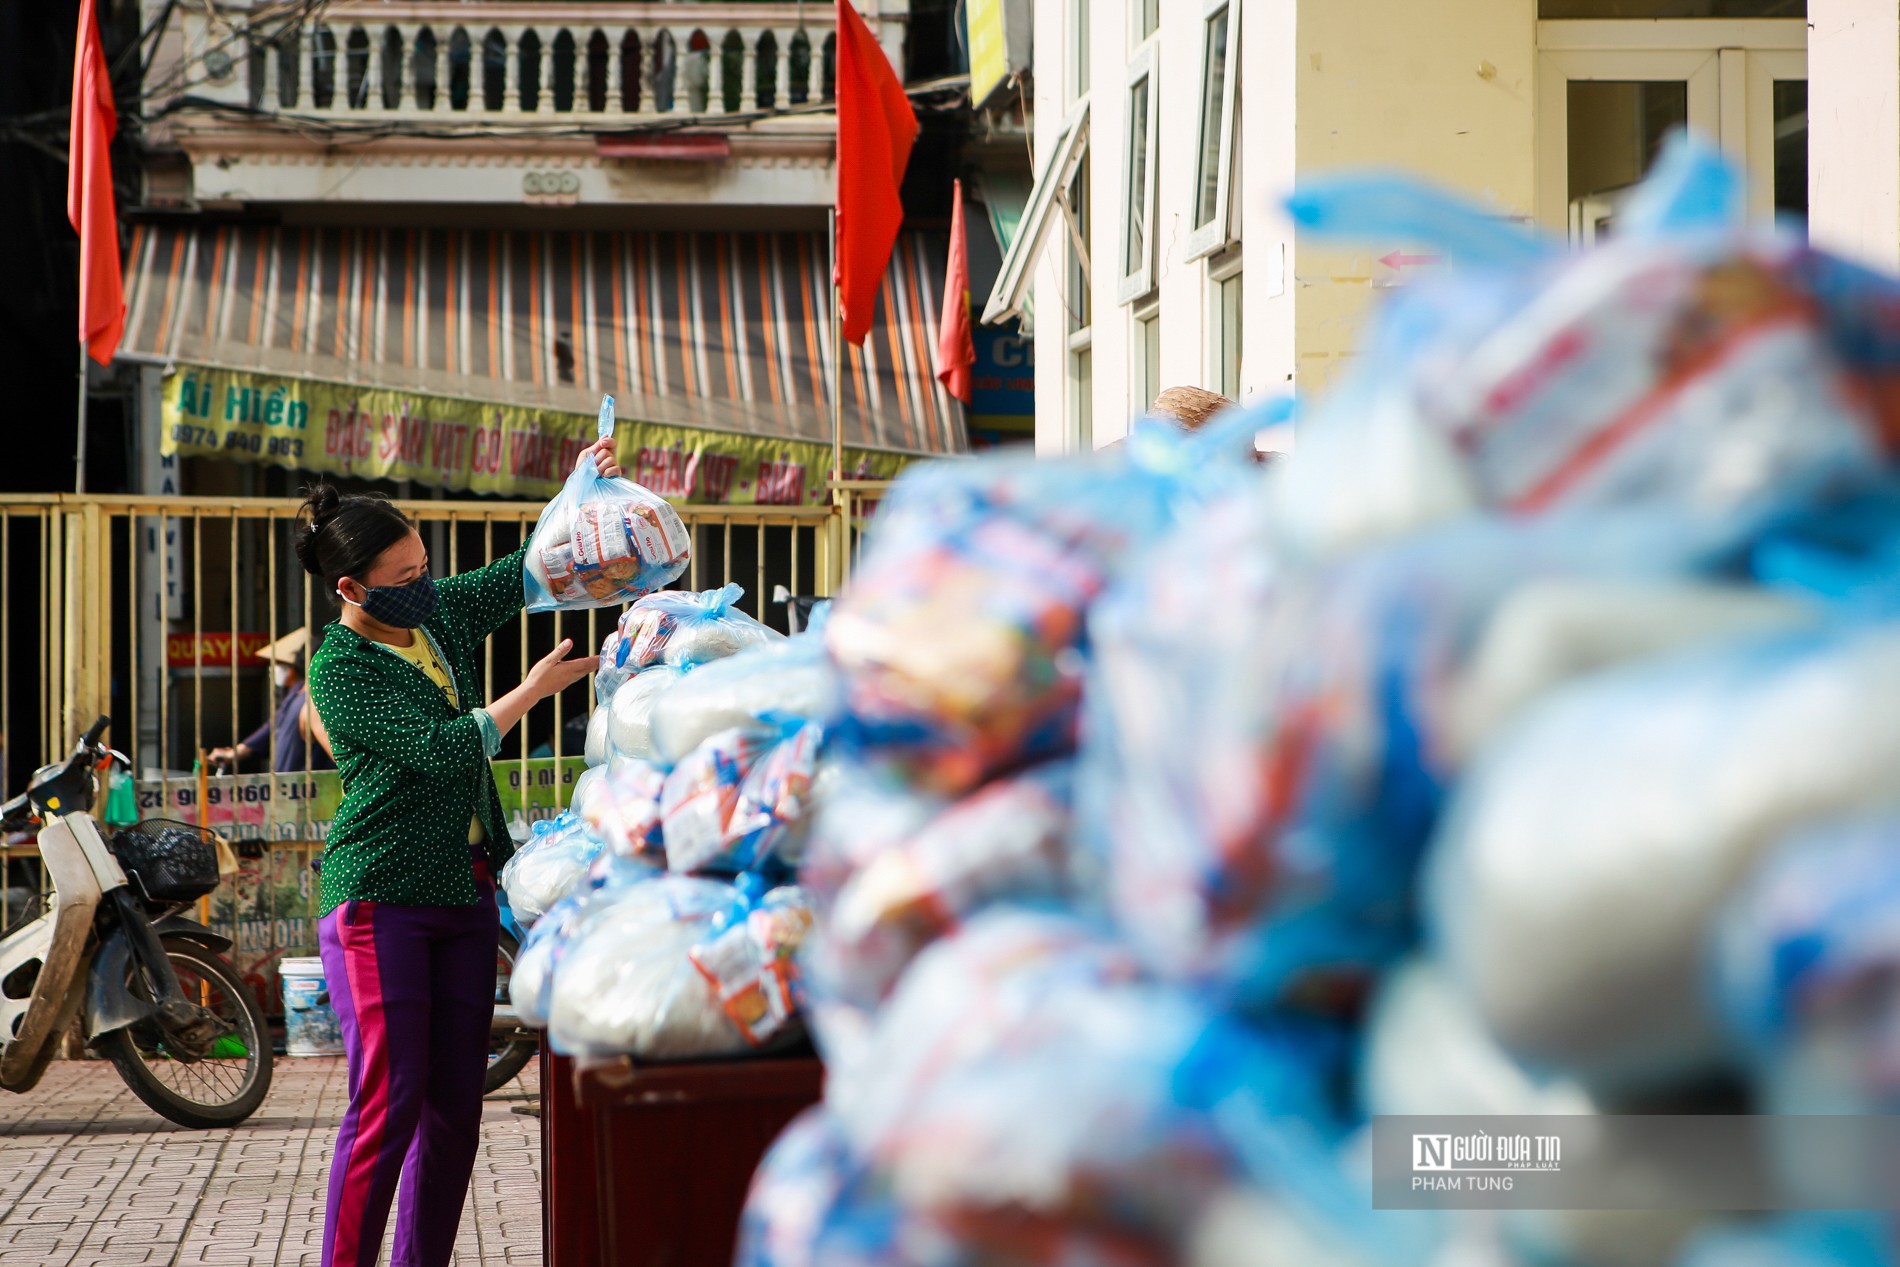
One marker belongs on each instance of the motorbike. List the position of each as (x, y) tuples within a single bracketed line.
[(114, 950)]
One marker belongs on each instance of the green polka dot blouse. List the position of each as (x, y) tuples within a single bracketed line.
[(415, 767)]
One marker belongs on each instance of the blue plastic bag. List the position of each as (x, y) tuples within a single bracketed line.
[(685, 627), (550, 866), (960, 637), (1573, 877), (779, 682), (601, 542), (1805, 964), (1269, 742), (1686, 361)]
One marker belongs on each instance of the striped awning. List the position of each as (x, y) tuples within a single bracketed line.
[(724, 331)]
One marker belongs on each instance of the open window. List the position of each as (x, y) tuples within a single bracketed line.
[(1214, 161), (1137, 271), (1048, 201)]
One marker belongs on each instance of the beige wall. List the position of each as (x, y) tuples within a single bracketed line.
[(1854, 128), (1444, 90)]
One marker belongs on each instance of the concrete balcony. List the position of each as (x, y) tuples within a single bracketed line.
[(537, 103)]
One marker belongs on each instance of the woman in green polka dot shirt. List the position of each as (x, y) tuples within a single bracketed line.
[(409, 923)]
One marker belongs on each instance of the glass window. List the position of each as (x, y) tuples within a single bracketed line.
[(1147, 358), (1615, 128), (1079, 48), (1081, 293), (1147, 17), (1227, 311), (1217, 155), (1082, 397), (1791, 148), (1672, 9), (1213, 109), (1138, 179)]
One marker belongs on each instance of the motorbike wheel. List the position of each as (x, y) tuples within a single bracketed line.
[(511, 1045), (220, 1089)]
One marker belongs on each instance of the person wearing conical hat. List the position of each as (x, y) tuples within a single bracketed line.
[(294, 723)]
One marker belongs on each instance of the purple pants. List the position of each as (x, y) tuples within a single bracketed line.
[(414, 992)]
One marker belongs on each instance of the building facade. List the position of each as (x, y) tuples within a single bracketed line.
[(1172, 131)]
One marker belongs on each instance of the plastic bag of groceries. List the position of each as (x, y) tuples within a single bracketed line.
[(630, 982), (531, 981), (598, 750), (581, 795), (615, 666), (601, 542), (1270, 741), (1686, 361), (771, 817), (813, 1204), (1008, 840), (1543, 889), (625, 812), (960, 636), (630, 714), (1807, 968), (866, 811), (684, 628), (780, 681), (1026, 1087), (550, 866), (733, 801)]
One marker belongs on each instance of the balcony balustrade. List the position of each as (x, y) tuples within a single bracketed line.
[(523, 64)]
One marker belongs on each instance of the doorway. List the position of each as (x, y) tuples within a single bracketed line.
[(1610, 92)]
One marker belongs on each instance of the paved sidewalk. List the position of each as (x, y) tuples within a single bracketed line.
[(89, 1177)]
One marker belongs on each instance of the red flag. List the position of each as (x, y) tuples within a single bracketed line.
[(89, 203), (876, 127), (956, 342)]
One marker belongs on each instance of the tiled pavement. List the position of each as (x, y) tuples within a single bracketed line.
[(89, 1177)]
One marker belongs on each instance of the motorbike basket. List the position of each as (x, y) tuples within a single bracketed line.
[(167, 860)]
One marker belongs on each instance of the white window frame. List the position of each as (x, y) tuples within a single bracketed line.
[(1221, 270), (1131, 286), (1048, 198), (1727, 63), (1078, 32), (1142, 318), (1216, 233), (1081, 419), (1136, 36)]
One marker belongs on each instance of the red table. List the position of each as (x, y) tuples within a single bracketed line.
[(648, 1165)]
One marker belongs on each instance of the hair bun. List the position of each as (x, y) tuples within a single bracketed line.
[(320, 505)]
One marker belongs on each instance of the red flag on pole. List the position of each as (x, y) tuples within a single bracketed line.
[(89, 203), (876, 127), (956, 341)]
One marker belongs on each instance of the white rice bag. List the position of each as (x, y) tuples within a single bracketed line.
[(630, 727)]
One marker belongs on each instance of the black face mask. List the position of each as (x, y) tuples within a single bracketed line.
[(399, 606)]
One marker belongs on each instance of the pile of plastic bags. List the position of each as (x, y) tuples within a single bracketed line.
[(664, 921), (1516, 746)]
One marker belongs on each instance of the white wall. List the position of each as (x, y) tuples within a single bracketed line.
[(1053, 99), (1854, 128), (1187, 330)]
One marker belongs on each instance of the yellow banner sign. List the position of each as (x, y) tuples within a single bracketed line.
[(464, 445)]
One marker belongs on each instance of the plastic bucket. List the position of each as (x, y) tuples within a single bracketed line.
[(310, 1027)]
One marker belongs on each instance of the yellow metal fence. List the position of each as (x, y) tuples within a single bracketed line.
[(152, 609)]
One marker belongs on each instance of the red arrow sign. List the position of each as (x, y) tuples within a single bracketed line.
[(1397, 259)]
